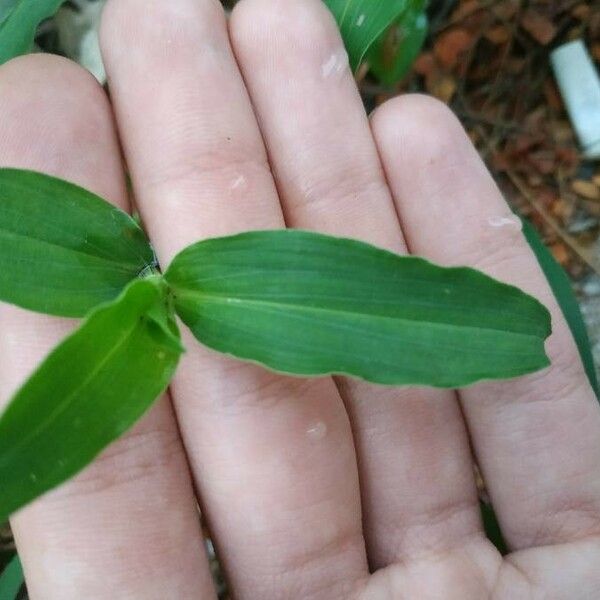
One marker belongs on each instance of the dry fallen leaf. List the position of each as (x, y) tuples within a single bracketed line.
[(581, 11), (465, 9), (560, 252), (505, 10), (425, 64), (586, 189), (450, 46), (498, 35), (444, 88), (538, 27)]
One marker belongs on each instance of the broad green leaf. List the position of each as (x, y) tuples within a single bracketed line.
[(11, 580), (309, 304), (392, 55), (64, 250), (563, 291), (361, 22), (18, 23), (89, 390)]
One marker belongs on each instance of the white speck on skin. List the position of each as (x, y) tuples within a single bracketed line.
[(512, 222), (317, 431), (336, 64), (240, 182), (361, 20)]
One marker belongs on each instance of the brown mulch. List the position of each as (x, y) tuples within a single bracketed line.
[(489, 61)]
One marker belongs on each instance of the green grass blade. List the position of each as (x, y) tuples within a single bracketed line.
[(563, 292), (18, 23), (311, 305), (361, 22), (391, 56), (64, 250), (11, 580), (87, 392)]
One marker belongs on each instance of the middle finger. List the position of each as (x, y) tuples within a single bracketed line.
[(415, 465)]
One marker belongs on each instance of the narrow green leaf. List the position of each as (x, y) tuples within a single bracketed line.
[(18, 23), (88, 391), (11, 580), (64, 250), (492, 527), (563, 292), (361, 22), (311, 305), (392, 55)]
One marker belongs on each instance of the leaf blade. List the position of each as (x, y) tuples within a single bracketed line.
[(87, 392), (18, 24), (391, 56), (563, 292), (11, 579), (311, 305), (361, 22), (64, 250)]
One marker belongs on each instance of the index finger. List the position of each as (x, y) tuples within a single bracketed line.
[(127, 525)]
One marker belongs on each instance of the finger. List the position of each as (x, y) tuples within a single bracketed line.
[(128, 525), (273, 456), (415, 466), (537, 438)]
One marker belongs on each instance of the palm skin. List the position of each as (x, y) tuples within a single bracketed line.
[(312, 489)]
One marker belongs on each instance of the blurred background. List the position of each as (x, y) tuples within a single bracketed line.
[(490, 61)]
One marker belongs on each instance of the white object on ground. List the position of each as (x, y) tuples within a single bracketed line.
[(78, 35), (580, 88)]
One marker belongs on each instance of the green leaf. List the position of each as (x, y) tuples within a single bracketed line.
[(63, 249), (492, 527), (310, 305), (18, 23), (392, 55), (563, 291), (11, 580), (89, 390), (361, 22)]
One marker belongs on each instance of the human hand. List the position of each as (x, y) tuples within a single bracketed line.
[(311, 488)]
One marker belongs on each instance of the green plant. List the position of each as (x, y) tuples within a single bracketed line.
[(18, 23), (296, 302), (11, 579), (389, 34)]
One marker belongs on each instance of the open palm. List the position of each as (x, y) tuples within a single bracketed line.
[(312, 489)]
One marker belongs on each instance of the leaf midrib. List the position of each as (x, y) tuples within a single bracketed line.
[(62, 406), (126, 267), (232, 300)]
